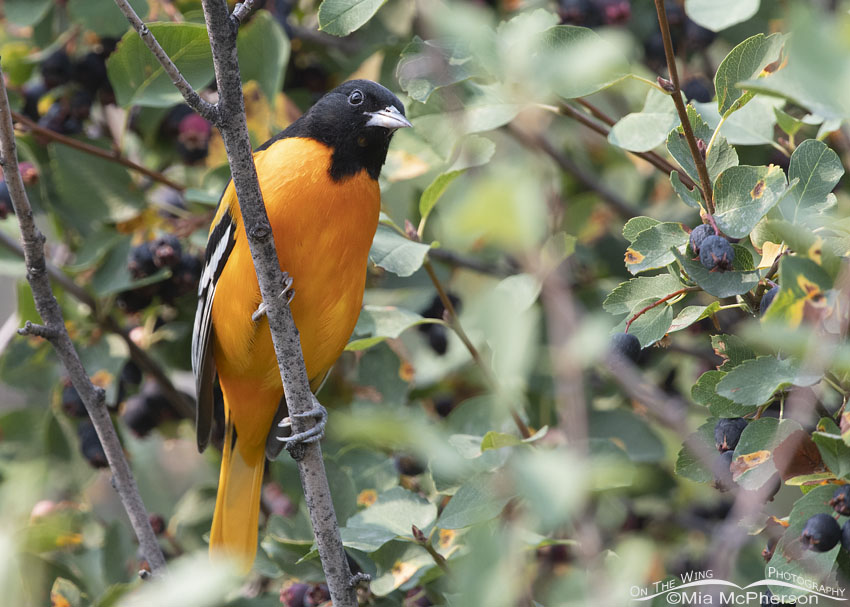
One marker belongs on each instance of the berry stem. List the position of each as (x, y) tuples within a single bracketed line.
[(699, 161), (659, 302)]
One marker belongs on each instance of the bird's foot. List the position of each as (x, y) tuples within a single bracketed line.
[(288, 292), (295, 442), (359, 578)]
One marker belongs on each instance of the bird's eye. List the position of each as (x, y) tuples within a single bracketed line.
[(356, 97)]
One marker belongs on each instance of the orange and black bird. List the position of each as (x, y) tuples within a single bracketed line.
[(319, 180)]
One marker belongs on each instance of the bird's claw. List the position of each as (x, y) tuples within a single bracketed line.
[(287, 292), (359, 578), (316, 433)]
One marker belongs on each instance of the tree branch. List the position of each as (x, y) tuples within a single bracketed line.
[(109, 323), (501, 269), (95, 151), (204, 108), (296, 386), (676, 93), (51, 314)]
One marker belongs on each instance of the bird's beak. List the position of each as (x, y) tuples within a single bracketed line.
[(389, 118)]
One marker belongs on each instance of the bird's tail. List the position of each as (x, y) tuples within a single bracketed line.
[(237, 504)]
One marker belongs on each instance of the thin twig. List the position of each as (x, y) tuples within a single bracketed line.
[(51, 314), (109, 323), (454, 323), (95, 151), (540, 142), (651, 157), (193, 99), (640, 313), (241, 12), (458, 260), (699, 161), (425, 542)]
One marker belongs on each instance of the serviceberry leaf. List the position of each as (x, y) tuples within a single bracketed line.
[(745, 61), (744, 194), (720, 157), (653, 248), (754, 382)]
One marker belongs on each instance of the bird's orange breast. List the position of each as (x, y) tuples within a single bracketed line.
[(323, 231)]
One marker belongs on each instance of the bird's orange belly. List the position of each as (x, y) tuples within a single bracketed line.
[(323, 231)]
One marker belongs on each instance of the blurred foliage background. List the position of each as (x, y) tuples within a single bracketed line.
[(520, 211)]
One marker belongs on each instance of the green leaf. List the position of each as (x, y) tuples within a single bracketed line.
[(802, 283), (395, 253), (65, 592), (377, 323), (744, 194), (717, 15), (499, 440), (653, 247), (427, 65), (25, 13), (704, 392), (636, 225), (835, 453), (745, 61), (750, 124), (92, 190), (576, 61), (817, 74), (629, 431), (786, 122), (341, 17), (647, 129), (763, 434), (139, 79), (691, 314), (627, 295), (819, 169), (398, 564), (474, 502), (754, 382), (720, 157), (263, 50), (691, 198), (653, 324), (732, 349), (690, 462), (719, 284), (103, 17), (395, 511), (434, 190)]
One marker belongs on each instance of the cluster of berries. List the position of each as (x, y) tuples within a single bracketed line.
[(298, 594), (715, 252), (61, 99), (437, 335), (150, 257), (190, 132)]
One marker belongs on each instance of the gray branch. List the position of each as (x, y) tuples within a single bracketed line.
[(54, 330), (204, 108), (229, 117)]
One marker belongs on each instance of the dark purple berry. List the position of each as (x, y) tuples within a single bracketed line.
[(727, 433), (142, 263), (318, 594), (146, 410), (716, 254), (157, 523), (438, 338), (699, 89), (90, 445), (408, 465), (722, 469), (32, 95), (293, 594), (444, 405), (586, 13), (90, 71), (698, 235), (193, 138), (767, 299), (626, 345), (131, 374), (821, 533), (6, 207), (416, 597), (437, 334), (697, 37), (56, 69), (166, 250), (72, 404), (840, 501), (185, 276), (134, 300)]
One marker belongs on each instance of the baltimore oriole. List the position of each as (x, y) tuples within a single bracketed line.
[(319, 179)]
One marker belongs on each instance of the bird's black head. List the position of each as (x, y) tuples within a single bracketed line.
[(357, 120)]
